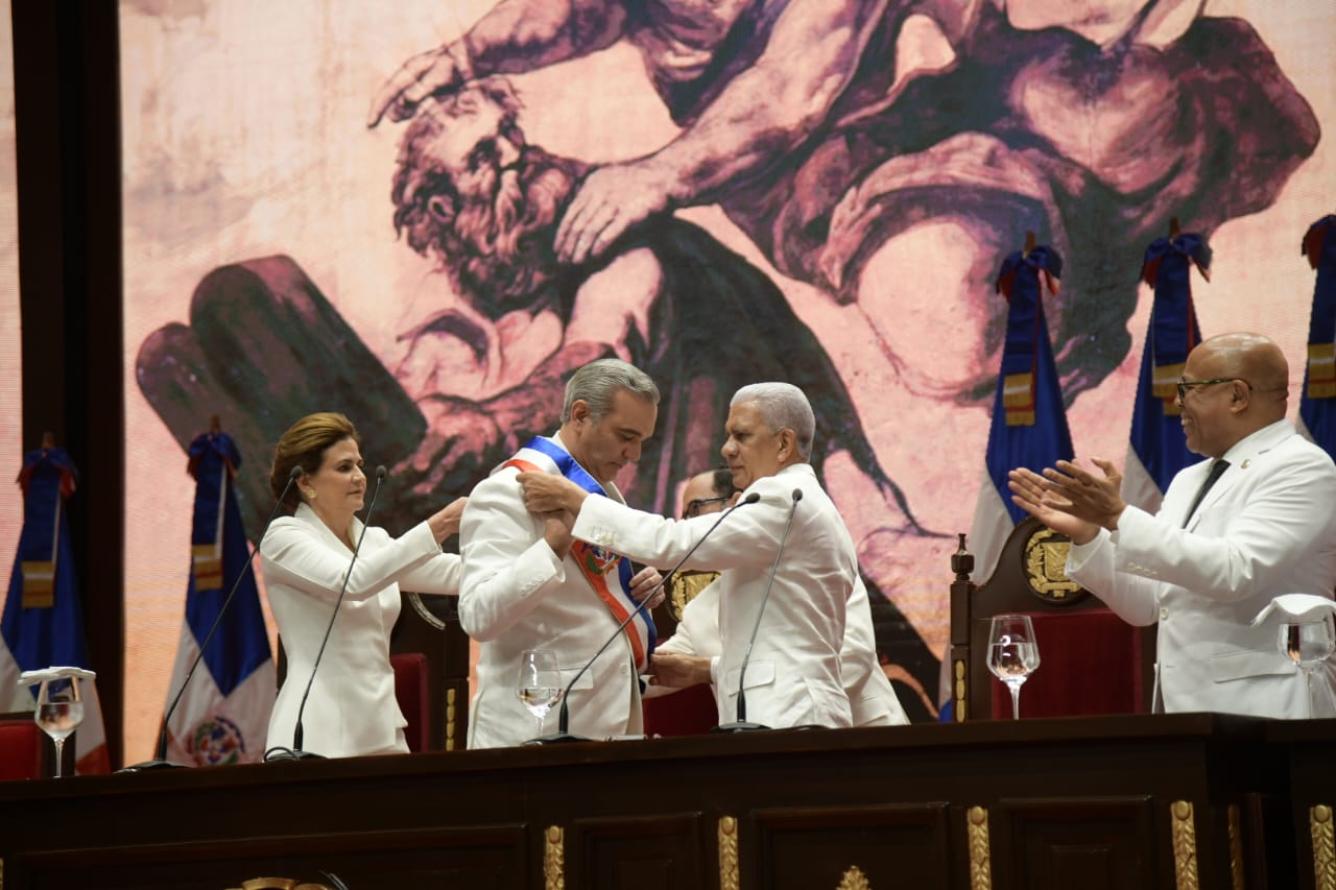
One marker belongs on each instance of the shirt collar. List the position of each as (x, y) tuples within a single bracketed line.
[(1259, 442)]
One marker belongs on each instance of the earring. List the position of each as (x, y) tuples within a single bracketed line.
[(310, 495)]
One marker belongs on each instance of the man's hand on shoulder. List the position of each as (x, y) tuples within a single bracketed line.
[(549, 493), (610, 201)]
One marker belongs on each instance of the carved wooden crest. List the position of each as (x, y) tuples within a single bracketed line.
[(1046, 567)]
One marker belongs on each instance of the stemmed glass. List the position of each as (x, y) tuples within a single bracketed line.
[(1013, 654), (60, 707), (539, 682), (1308, 643)]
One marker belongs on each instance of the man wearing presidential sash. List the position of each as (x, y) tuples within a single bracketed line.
[(527, 585)]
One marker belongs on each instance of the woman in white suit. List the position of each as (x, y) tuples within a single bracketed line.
[(351, 709)]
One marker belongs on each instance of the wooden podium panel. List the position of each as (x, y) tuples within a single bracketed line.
[(1150, 801), (904, 845)]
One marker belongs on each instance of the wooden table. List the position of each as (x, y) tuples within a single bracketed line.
[(1168, 801)]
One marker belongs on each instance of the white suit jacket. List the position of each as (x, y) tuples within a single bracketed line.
[(515, 595), (794, 674), (351, 709), (1265, 528), (872, 699)]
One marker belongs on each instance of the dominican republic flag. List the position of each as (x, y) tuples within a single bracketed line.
[(1029, 426), (1317, 408), (43, 621), (1158, 449), (223, 714)]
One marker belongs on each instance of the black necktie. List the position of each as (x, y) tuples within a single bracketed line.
[(1217, 470)]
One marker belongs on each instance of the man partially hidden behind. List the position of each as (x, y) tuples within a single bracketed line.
[(524, 586), (1253, 522), (793, 677), (872, 701)]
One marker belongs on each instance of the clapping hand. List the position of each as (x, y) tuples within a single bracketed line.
[(1070, 499)]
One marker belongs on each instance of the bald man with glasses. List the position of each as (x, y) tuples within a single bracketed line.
[(1255, 520)]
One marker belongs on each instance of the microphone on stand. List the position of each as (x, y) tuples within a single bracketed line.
[(160, 760), (741, 724), (563, 715), (296, 752)]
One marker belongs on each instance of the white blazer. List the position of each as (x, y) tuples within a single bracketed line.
[(351, 710), (1265, 528), (516, 595), (872, 699), (794, 675)]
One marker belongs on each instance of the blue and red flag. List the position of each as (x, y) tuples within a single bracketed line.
[(43, 620), (1317, 406), (1029, 427), (1158, 449), (223, 715)]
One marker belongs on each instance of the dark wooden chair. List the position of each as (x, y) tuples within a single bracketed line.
[(411, 672), (1091, 661)]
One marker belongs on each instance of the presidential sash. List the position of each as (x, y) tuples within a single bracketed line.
[(607, 573)]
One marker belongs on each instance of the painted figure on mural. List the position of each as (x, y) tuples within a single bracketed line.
[(828, 131), (473, 195)]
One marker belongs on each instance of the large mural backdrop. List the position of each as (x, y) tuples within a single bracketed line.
[(427, 215)]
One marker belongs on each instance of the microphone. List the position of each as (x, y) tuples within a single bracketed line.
[(741, 724), (296, 752), (563, 715), (160, 760)]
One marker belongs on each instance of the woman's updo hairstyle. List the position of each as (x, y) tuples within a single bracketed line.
[(304, 445)]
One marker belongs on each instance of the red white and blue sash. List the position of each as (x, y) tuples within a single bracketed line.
[(607, 573)]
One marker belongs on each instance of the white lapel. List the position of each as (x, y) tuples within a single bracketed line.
[(309, 516)]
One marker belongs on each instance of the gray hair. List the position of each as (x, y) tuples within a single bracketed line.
[(782, 406), (597, 383)]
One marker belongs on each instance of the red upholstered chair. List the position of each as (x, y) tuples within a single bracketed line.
[(411, 692), (24, 749), (689, 712), (1091, 661)]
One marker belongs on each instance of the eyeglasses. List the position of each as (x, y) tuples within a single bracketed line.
[(1184, 386), (695, 506)]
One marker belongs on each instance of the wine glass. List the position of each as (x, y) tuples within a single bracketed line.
[(60, 709), (1307, 633), (539, 683), (1013, 654), (1308, 643)]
